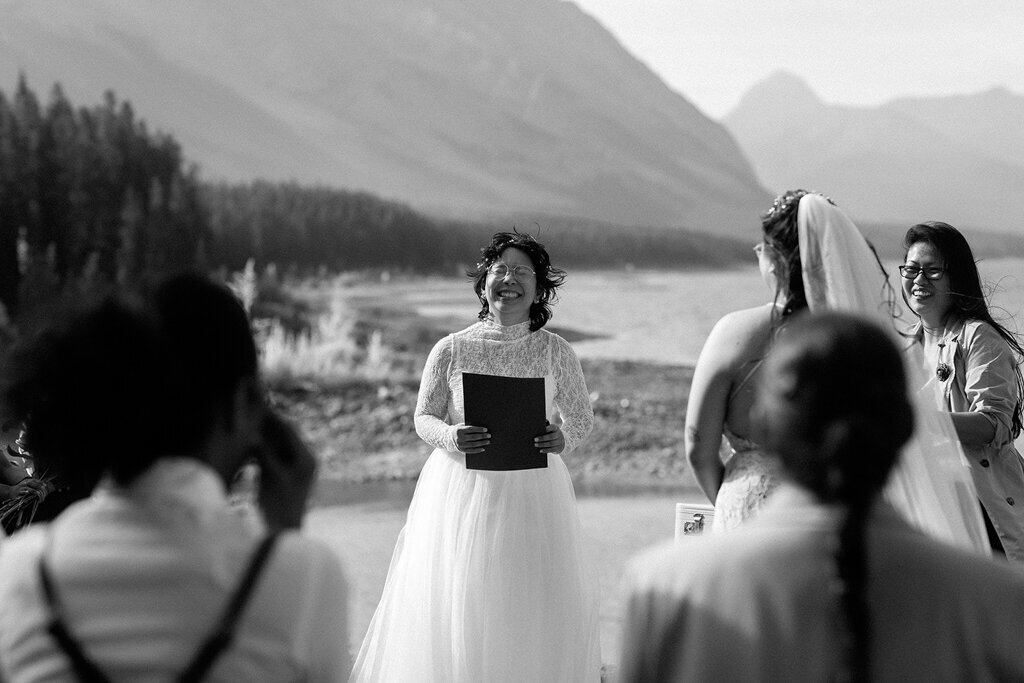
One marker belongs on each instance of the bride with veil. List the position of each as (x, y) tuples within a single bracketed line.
[(815, 258), (931, 485)]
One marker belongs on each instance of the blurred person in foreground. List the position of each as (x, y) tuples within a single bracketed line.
[(20, 492), (154, 576), (974, 361), (828, 582)]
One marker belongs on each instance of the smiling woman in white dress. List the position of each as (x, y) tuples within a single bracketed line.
[(487, 582)]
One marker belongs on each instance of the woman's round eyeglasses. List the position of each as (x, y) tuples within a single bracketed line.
[(501, 270), (911, 272)]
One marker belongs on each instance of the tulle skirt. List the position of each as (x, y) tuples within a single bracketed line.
[(487, 582)]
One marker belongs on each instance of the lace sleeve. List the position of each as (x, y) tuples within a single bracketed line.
[(432, 403), (571, 395)]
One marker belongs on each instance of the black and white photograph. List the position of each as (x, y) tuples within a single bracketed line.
[(539, 341)]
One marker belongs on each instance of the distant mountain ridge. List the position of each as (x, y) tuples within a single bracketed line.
[(958, 159), (462, 107), (991, 122)]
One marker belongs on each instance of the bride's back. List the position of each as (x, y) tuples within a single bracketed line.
[(744, 347)]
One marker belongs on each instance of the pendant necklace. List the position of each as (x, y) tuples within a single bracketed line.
[(942, 370)]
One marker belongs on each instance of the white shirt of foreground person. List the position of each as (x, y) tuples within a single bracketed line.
[(144, 574), (758, 603)]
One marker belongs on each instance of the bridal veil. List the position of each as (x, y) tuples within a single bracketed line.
[(931, 484)]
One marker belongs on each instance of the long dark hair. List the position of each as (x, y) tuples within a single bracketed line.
[(833, 405), (780, 233), (969, 301), (549, 278)]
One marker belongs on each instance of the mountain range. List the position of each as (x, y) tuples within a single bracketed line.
[(464, 108), (959, 159)]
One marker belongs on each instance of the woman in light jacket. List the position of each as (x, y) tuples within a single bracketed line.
[(975, 360)]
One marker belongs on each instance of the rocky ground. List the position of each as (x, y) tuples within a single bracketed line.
[(363, 430)]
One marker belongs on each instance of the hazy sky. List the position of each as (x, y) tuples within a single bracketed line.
[(849, 51)]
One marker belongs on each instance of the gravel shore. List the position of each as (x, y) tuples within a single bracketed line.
[(363, 432)]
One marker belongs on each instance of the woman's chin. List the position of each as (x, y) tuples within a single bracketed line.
[(510, 314)]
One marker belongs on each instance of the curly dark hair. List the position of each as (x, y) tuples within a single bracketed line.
[(780, 233), (89, 388), (549, 278), (112, 386), (969, 301)]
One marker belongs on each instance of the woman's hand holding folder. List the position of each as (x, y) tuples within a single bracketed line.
[(469, 439), (551, 441)]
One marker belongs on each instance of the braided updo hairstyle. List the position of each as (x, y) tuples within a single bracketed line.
[(832, 404), (780, 233), (549, 278)]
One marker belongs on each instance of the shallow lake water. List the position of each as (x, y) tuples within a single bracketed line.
[(665, 316)]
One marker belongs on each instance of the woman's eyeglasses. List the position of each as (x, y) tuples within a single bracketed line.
[(911, 272), (501, 270)]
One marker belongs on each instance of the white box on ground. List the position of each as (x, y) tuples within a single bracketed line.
[(693, 519)]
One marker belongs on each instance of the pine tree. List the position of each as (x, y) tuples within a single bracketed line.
[(25, 202), (60, 191), (9, 271)]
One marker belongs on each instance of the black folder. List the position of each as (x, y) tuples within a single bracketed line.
[(513, 409)]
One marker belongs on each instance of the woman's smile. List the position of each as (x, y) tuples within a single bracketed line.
[(509, 297), (930, 299), (921, 293)]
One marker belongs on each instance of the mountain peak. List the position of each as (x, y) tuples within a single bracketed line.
[(998, 91), (955, 157), (781, 88)]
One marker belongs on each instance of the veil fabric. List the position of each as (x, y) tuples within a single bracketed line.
[(931, 484)]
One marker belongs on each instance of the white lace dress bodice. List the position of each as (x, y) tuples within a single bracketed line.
[(489, 348), (750, 477)]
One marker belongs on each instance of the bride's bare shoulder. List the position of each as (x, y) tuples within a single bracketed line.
[(746, 321), (739, 336)]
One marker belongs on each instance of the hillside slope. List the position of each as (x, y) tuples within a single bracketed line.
[(463, 107)]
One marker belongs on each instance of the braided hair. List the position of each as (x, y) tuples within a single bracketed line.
[(832, 404)]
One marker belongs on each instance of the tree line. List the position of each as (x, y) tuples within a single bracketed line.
[(88, 194), (322, 228)]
